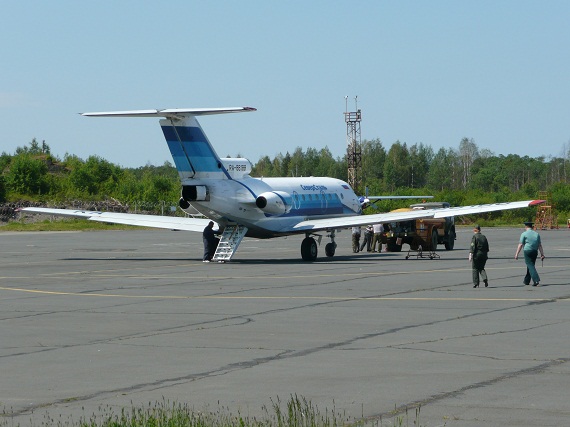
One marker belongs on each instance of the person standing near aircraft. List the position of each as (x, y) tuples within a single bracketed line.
[(378, 229), (210, 241), (478, 256), (356, 239), (368, 233), (530, 244)]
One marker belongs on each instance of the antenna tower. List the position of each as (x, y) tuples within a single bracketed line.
[(354, 152)]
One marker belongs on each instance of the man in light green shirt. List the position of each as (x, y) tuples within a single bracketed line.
[(531, 245)]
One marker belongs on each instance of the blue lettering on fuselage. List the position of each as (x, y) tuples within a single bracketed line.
[(318, 204), (313, 187)]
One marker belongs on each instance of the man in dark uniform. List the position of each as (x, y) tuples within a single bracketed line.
[(478, 256), (210, 241)]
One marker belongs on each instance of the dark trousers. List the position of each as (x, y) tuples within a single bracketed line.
[(208, 251), (366, 242), (478, 268), (531, 273)]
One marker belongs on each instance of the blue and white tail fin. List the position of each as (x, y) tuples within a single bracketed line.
[(193, 155), (191, 151)]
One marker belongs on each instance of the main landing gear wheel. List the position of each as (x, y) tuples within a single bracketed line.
[(309, 249), (329, 249)]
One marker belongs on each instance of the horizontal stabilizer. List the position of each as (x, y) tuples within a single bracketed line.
[(170, 112)]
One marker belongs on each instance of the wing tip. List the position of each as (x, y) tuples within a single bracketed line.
[(536, 202)]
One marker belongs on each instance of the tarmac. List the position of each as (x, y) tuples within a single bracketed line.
[(122, 319)]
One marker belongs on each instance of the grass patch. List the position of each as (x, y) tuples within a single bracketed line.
[(296, 412)]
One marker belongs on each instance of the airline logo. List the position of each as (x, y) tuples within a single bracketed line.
[(313, 187)]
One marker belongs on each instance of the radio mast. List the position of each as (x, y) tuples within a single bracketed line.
[(354, 152)]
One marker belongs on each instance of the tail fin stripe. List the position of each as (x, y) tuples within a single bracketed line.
[(180, 155), (190, 149)]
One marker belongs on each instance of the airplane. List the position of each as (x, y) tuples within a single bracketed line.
[(222, 190)]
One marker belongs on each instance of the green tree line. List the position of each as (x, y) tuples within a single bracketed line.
[(33, 173), (464, 175)]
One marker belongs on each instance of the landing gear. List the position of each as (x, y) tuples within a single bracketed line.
[(330, 247), (309, 249)]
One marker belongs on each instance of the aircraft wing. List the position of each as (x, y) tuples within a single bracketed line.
[(355, 221), (397, 197), (154, 221), (198, 224), (345, 222), (467, 210)]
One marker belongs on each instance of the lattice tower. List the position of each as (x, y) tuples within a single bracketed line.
[(354, 151)]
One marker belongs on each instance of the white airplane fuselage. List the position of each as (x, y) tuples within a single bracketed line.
[(288, 201)]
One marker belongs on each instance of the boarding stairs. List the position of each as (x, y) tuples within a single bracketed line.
[(229, 242)]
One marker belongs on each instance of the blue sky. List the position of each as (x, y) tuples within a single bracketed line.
[(424, 71)]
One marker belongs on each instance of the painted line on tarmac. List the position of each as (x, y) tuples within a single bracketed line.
[(115, 273), (106, 273), (236, 297)]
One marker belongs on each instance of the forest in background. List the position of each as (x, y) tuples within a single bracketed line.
[(465, 175)]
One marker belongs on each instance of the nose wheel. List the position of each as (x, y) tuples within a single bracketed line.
[(330, 247)]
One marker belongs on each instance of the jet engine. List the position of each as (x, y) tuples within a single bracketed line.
[(274, 202), (193, 193)]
